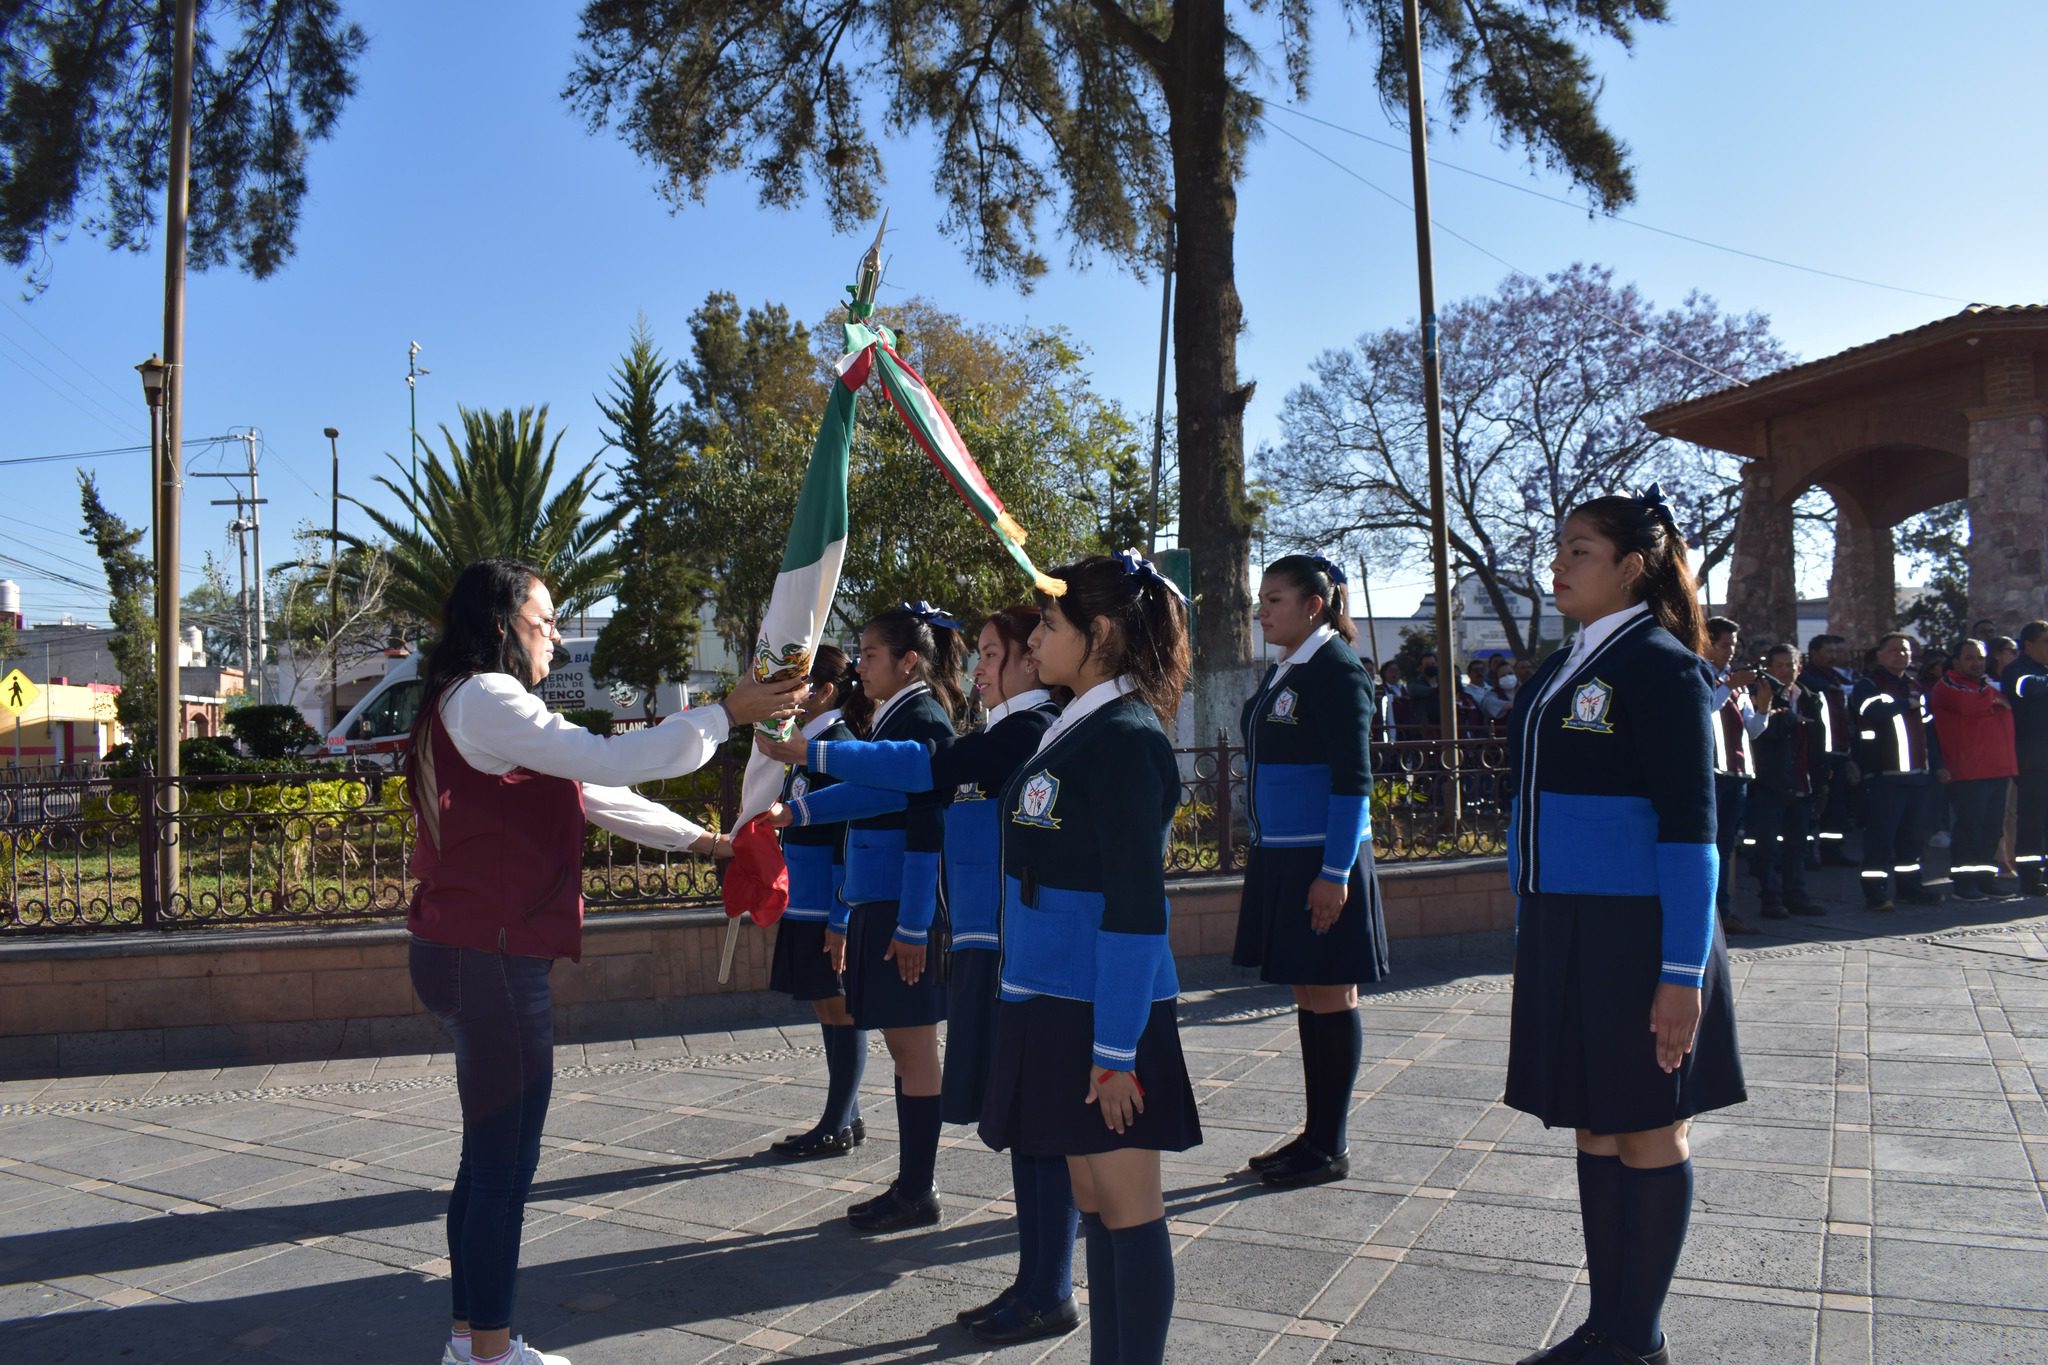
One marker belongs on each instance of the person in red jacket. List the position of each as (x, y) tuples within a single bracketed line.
[(1974, 724), (501, 789)]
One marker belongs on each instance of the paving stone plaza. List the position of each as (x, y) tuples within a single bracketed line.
[(1880, 1197)]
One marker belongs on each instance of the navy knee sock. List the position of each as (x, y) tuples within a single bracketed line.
[(1340, 1042), (1024, 1189), (1656, 1206), (846, 1056), (1144, 1291), (1103, 1346), (918, 1122), (1600, 1217), (1311, 1072), (1050, 1220)]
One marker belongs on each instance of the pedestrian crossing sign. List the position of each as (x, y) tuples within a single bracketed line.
[(17, 693)]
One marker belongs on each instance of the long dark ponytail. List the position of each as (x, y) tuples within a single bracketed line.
[(1644, 526), (1315, 576), (936, 642), (1149, 642)]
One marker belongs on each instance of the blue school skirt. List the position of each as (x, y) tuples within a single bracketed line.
[(1580, 1050), (800, 968), (1038, 1083), (875, 993), (971, 980), (1273, 931)]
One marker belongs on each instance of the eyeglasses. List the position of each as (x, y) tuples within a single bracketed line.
[(546, 623)]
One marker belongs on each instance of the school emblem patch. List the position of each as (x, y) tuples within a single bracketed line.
[(1590, 706), (1285, 704), (798, 785), (969, 791), (1035, 802)]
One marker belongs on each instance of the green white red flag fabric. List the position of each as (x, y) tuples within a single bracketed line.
[(935, 433), (805, 585)]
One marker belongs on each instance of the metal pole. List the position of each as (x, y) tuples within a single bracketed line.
[(1159, 393), (242, 552), (262, 664), (1372, 635), (412, 393), (1432, 400), (333, 573), (178, 205)]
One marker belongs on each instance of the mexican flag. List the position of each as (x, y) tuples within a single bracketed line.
[(811, 557), (934, 431)]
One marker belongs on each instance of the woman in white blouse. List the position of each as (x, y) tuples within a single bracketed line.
[(502, 788)]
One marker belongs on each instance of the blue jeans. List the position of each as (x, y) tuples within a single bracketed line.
[(1730, 795), (496, 1008)]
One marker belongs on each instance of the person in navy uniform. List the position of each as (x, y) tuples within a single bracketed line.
[(802, 966), (1310, 915), (1736, 726), (1789, 751), (974, 768), (888, 902), (2025, 682), (1892, 733), (1088, 1061), (1832, 805), (1622, 1023)]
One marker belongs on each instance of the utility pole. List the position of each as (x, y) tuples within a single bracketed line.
[(262, 600), (413, 371), (178, 200), (1159, 396), (1432, 401), (254, 636), (333, 575)]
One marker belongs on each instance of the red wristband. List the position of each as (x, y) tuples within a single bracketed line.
[(1107, 1073)]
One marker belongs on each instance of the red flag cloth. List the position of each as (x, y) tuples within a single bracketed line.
[(757, 879)]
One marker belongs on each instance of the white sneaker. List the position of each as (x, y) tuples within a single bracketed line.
[(522, 1354)]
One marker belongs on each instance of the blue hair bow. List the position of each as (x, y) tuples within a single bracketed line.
[(1330, 567), (930, 615), (1136, 564), (1652, 499)]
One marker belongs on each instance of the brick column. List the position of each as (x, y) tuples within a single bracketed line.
[(2009, 496), (1863, 593), (1762, 597)]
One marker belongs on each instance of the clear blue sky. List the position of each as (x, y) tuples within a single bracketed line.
[(462, 204)]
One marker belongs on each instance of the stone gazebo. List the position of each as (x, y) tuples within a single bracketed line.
[(1955, 409)]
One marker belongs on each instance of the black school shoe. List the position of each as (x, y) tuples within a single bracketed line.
[(1021, 1322), (1920, 895), (1572, 1349), (967, 1317), (891, 1212), (1307, 1167), (1799, 903), (819, 1143), (1609, 1352), (1279, 1156)]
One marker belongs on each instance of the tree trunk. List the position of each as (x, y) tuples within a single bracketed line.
[(1215, 515)]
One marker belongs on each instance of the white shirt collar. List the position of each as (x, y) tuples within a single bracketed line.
[(1010, 706), (820, 723), (889, 706), (1590, 638), (1085, 705), (1317, 638)]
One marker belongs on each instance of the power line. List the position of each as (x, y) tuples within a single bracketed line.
[(84, 368), (83, 455), (1535, 193), (89, 412), (1668, 349)]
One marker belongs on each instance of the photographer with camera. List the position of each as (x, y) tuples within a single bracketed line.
[(1791, 781)]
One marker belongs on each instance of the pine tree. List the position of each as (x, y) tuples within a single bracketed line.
[(653, 631), (131, 585)]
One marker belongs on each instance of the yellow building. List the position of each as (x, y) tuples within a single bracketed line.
[(65, 723)]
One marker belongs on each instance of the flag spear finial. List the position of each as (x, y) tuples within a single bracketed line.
[(869, 278)]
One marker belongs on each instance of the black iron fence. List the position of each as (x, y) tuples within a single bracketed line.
[(81, 853)]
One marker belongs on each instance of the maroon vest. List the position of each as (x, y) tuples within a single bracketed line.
[(506, 874)]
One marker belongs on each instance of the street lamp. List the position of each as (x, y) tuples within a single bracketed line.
[(333, 436), (153, 371)]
